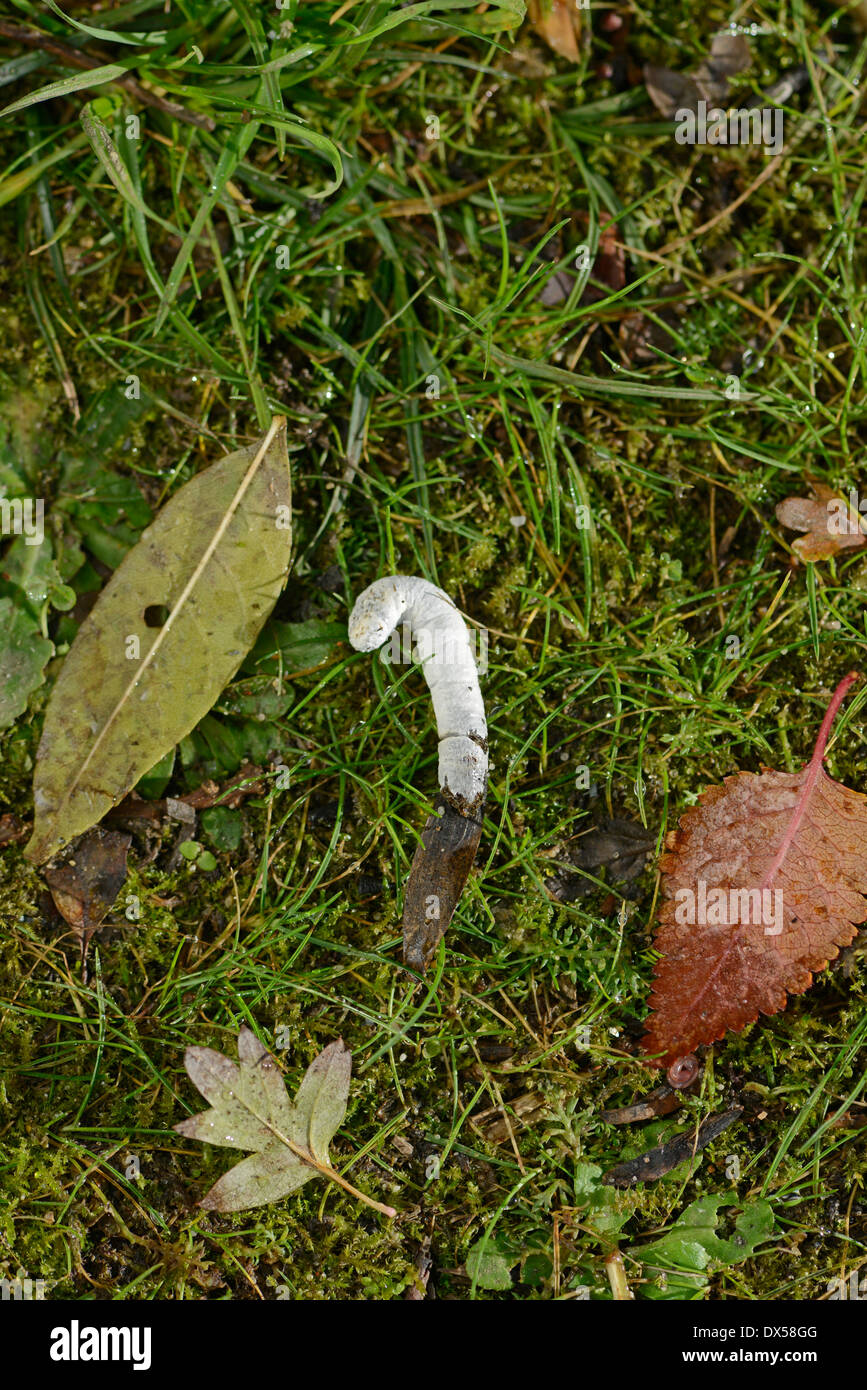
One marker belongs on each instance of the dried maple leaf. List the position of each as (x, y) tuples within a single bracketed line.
[(764, 881), (250, 1109), (832, 524)]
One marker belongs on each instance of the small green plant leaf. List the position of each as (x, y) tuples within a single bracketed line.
[(23, 656), (33, 570), (166, 635), (693, 1242), (286, 648), (223, 826), (250, 1109), (489, 1266)]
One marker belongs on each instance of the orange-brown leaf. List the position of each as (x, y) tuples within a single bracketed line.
[(558, 22), (832, 524), (764, 880)]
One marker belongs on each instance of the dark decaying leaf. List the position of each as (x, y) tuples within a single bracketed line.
[(764, 881), (417, 1291), (671, 91), (647, 1167), (440, 868), (85, 885), (250, 1109), (729, 54), (617, 845), (832, 524), (166, 635)]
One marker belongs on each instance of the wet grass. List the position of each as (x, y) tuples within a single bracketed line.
[(293, 240)]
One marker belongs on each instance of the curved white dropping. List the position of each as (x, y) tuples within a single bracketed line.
[(443, 646)]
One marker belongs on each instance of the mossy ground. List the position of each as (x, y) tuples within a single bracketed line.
[(609, 643)]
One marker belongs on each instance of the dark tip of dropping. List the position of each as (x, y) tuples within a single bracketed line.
[(413, 957)]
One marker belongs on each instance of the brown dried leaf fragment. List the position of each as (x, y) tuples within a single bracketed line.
[(764, 881), (247, 781), (250, 1109), (609, 268), (85, 885), (497, 1125), (663, 1101), (558, 22), (11, 830), (832, 524)]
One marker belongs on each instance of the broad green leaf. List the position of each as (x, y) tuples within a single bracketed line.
[(536, 1269), (27, 443), (607, 1208), (676, 1286), (256, 698), (23, 656), (285, 648), (223, 826), (210, 569), (693, 1243), (250, 1109)]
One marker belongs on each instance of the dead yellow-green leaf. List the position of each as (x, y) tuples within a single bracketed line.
[(251, 1109), (209, 570)]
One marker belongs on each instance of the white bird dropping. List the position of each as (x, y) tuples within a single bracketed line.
[(443, 646)]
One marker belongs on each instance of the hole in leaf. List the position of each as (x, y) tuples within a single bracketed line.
[(155, 614)]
